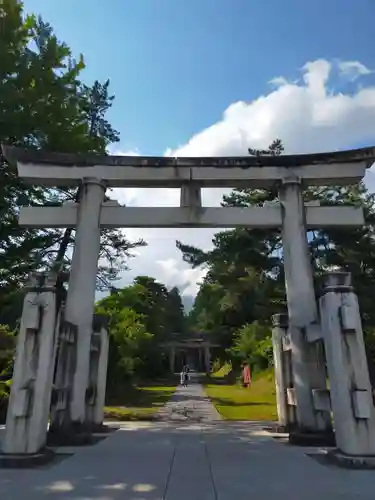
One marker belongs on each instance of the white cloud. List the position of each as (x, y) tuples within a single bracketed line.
[(306, 115), (353, 69), (185, 279), (278, 81)]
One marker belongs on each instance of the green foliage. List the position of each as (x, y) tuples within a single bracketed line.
[(7, 349), (253, 344), (245, 269), (234, 402), (141, 316), (139, 402), (44, 104)]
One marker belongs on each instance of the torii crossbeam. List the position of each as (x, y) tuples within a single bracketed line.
[(62, 169), (164, 217)]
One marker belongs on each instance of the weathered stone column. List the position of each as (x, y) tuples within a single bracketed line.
[(82, 285), (95, 393), (102, 377), (283, 370), (207, 359), (30, 397), (307, 360), (65, 366), (351, 394), (172, 357), (92, 386)]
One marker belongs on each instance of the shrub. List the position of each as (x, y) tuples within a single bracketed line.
[(7, 348), (252, 344), (4, 398)]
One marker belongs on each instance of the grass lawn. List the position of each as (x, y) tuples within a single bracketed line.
[(234, 402), (139, 403)]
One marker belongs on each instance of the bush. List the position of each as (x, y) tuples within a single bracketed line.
[(125, 415), (4, 398), (216, 365), (252, 344), (7, 348), (369, 337)]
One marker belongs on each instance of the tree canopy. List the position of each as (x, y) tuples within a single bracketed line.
[(45, 104), (141, 316), (244, 285)]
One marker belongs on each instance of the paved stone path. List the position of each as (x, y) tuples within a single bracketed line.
[(189, 460), (189, 404)]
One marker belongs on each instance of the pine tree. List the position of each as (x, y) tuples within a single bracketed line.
[(44, 105), (245, 268)]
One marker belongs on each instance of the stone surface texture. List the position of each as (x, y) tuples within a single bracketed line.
[(54, 169), (351, 391), (184, 461), (283, 371), (189, 404), (82, 285), (30, 397), (101, 378), (220, 217), (308, 362)]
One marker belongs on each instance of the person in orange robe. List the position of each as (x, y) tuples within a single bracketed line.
[(246, 375)]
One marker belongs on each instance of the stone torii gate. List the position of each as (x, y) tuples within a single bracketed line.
[(186, 345), (289, 174)]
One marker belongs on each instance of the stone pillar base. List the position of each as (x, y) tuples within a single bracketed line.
[(277, 428), (26, 460), (340, 459), (102, 428), (75, 434), (300, 437)]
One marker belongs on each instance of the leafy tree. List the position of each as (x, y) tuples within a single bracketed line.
[(175, 312), (245, 273), (7, 349), (43, 104), (7, 346), (129, 338), (245, 278), (142, 316), (253, 344)]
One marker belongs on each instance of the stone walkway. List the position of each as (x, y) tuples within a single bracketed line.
[(189, 460), (189, 404)]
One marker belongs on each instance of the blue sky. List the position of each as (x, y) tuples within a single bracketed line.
[(213, 77), (175, 65)]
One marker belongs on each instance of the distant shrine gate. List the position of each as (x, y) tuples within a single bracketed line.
[(193, 351), (304, 401)]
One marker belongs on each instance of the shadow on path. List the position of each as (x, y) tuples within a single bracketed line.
[(169, 460), (165, 461)]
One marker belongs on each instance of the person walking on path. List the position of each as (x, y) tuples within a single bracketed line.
[(183, 377), (186, 376)]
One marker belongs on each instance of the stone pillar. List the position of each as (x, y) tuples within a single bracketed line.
[(30, 397), (172, 358), (82, 286), (91, 391), (283, 370), (307, 360), (207, 359), (102, 378), (63, 382), (201, 358), (190, 196), (351, 394)]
